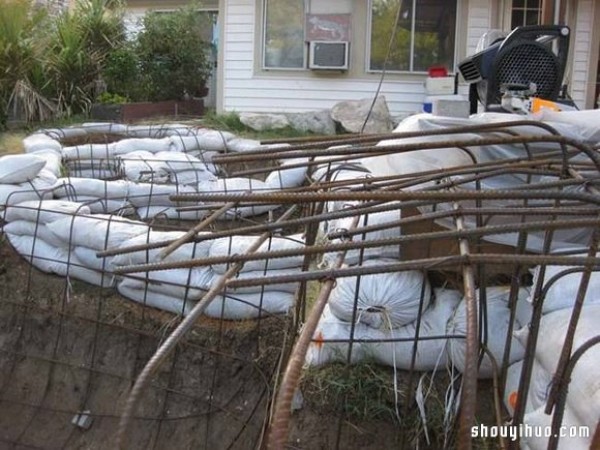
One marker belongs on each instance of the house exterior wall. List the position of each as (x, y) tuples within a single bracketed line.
[(247, 87), (584, 53)]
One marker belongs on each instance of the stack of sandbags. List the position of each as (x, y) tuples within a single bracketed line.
[(31, 231), (582, 408), (101, 196), (238, 186), (98, 160), (390, 346), (174, 290), (495, 328), (165, 167), (22, 178), (255, 301), (153, 201), (85, 234), (202, 139)]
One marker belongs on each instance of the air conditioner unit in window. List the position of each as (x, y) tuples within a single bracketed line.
[(331, 55)]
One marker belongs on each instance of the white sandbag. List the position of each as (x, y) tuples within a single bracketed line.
[(88, 257), (41, 142), (498, 316), (142, 166), (44, 211), (78, 271), (97, 164), (157, 131), (53, 161), (283, 178), (98, 231), (191, 177), (243, 145), (89, 187), (563, 292), (101, 174), (203, 140), (89, 152), (156, 300), (182, 283), (170, 212), (27, 228), (250, 306), (191, 250), (239, 186), (102, 206), (148, 194), (383, 300), (48, 258), (340, 171), (539, 426), (15, 169), (104, 127), (281, 287), (584, 122), (584, 388), (379, 218), (125, 146), (239, 245), (430, 353), (12, 194), (539, 387), (320, 352)]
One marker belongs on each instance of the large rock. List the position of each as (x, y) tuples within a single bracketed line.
[(262, 122), (318, 122), (351, 115)]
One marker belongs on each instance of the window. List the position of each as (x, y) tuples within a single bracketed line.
[(284, 34), (424, 36), (525, 12)]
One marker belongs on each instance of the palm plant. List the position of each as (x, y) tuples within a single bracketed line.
[(22, 48)]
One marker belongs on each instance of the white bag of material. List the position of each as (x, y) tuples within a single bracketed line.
[(148, 194), (239, 145), (157, 131), (191, 250), (182, 283), (143, 166), (239, 186), (102, 206), (15, 169), (146, 297), (90, 187), (330, 327), (97, 231), (104, 127), (51, 259), (260, 274), (53, 161), (27, 228), (12, 194), (96, 164), (40, 254), (250, 306), (191, 177), (88, 257), (40, 142), (431, 353), (340, 171), (563, 292), (169, 212), (283, 178), (202, 140), (239, 245), (89, 152), (380, 218), (584, 388), (539, 387), (498, 316), (44, 211), (540, 426), (101, 174), (125, 146), (584, 122), (382, 300)]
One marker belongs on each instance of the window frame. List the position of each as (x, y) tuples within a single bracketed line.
[(412, 47), (526, 10), (263, 45)]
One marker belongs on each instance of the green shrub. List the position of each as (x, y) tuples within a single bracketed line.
[(173, 56), (109, 98)]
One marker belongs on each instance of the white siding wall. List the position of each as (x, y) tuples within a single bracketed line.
[(479, 22), (580, 78), (244, 91)]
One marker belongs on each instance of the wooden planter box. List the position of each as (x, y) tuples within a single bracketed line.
[(130, 112)]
